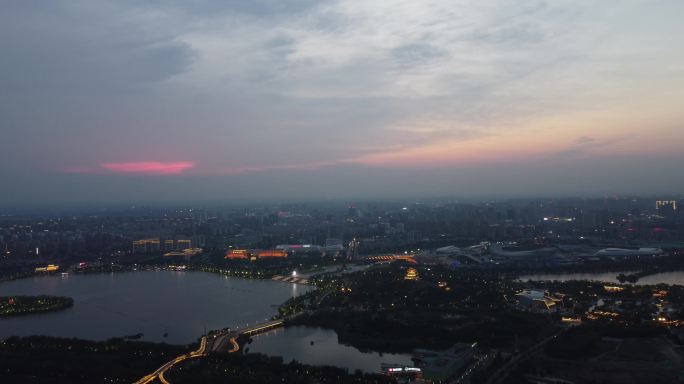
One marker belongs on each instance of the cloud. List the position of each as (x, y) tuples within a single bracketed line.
[(583, 140), (410, 55), (150, 167), (66, 49), (585, 144), (243, 87)]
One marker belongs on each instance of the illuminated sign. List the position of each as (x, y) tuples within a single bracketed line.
[(403, 369)]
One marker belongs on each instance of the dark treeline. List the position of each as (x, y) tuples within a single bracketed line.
[(41, 359), (257, 369)]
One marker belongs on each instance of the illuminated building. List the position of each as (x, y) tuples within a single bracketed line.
[(571, 320), (187, 253), (168, 245), (153, 245), (294, 249), (668, 205), (399, 370), (666, 208), (192, 251), (535, 300), (49, 268), (411, 274), (146, 245), (279, 253), (174, 253), (235, 254), (407, 258), (353, 249), (182, 244)]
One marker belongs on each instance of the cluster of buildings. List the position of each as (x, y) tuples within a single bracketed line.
[(154, 245), (538, 254), (539, 301), (254, 254), (525, 232), (433, 366), (333, 248), (661, 310), (613, 305), (170, 247)]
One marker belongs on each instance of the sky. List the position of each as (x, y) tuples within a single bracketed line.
[(116, 101)]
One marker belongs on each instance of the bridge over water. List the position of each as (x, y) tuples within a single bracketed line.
[(220, 341)]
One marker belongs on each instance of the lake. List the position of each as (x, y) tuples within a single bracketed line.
[(294, 343), (181, 304)]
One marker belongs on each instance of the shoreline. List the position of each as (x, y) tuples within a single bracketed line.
[(60, 303)]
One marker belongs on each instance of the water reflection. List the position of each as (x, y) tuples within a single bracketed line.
[(317, 346), (672, 278), (181, 304)]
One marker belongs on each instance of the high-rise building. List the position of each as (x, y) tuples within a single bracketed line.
[(667, 208), (182, 244), (353, 249), (168, 245), (353, 212), (146, 245), (666, 205)]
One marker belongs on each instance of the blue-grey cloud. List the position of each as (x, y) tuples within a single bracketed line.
[(417, 53), (274, 85)]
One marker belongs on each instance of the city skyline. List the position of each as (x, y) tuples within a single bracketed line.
[(119, 102)]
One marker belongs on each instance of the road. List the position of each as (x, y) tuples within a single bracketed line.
[(159, 373), (216, 342), (502, 372), (480, 361)]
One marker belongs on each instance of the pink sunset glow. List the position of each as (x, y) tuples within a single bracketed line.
[(546, 97), (150, 167)]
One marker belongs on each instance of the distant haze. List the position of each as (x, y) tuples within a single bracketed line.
[(123, 101)]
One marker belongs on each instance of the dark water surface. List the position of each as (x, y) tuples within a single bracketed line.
[(149, 302), (294, 343), (672, 278)]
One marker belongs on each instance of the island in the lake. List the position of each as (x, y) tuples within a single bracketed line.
[(26, 305)]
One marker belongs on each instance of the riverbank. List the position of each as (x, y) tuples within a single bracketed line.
[(628, 277), (119, 361), (11, 306), (642, 266), (259, 270)]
